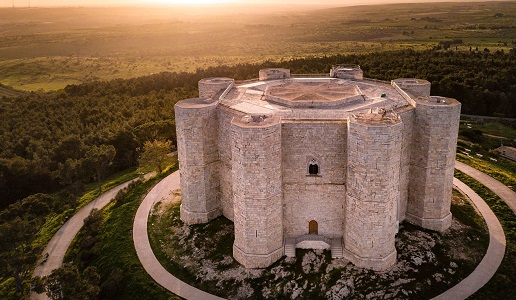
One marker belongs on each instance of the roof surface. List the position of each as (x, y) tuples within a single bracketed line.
[(312, 98)]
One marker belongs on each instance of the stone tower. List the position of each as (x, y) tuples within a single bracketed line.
[(374, 155), (197, 145), (209, 87), (257, 188), (432, 161)]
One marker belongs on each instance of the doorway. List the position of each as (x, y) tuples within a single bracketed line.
[(313, 227)]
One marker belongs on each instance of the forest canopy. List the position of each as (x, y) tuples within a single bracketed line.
[(46, 138)]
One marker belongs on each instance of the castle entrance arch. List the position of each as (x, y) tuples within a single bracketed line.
[(313, 227)]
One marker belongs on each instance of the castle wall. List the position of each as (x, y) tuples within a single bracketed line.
[(258, 213), (306, 197), (197, 145), (374, 154), (432, 162), (225, 115), (407, 117), (239, 159)]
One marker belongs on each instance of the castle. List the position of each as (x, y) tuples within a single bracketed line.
[(330, 161)]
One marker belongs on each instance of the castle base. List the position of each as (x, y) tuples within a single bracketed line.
[(189, 217), (253, 261), (432, 224), (375, 264)]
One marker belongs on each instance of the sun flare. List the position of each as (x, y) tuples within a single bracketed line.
[(191, 2)]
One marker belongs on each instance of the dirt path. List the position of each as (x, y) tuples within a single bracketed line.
[(60, 242)]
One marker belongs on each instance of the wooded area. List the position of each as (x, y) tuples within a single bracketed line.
[(48, 139)]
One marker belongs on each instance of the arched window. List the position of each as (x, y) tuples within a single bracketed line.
[(313, 168)]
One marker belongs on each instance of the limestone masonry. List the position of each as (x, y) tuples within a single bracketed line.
[(334, 162)]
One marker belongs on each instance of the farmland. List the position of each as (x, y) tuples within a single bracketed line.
[(49, 48)]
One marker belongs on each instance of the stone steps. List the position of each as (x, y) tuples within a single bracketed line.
[(290, 247), (336, 248)]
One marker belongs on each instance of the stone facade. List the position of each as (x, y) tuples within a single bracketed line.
[(373, 189), (257, 188), (328, 162)]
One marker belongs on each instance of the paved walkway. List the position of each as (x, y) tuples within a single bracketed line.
[(58, 245), (467, 287), (60, 242), (505, 193), (493, 257), (143, 247)]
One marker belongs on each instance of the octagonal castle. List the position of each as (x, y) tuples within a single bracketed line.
[(332, 162)]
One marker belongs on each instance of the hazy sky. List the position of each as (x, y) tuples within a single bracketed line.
[(21, 3), (40, 3)]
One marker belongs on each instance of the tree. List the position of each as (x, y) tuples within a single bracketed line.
[(154, 155), (67, 283), (73, 173), (15, 250), (101, 157)]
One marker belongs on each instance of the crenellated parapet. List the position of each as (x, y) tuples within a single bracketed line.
[(432, 162), (197, 145), (374, 154), (257, 188)]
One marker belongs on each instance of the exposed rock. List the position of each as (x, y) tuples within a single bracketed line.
[(415, 249), (245, 291), (438, 277), (312, 261), (341, 289)]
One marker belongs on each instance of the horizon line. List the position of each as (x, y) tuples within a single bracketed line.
[(239, 4)]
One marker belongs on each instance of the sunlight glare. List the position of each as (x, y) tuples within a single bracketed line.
[(191, 2)]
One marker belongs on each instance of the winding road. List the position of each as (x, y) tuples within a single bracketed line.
[(53, 254)]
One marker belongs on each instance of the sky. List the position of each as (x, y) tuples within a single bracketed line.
[(43, 3), (40, 3)]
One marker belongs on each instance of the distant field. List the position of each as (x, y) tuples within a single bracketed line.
[(48, 48)]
